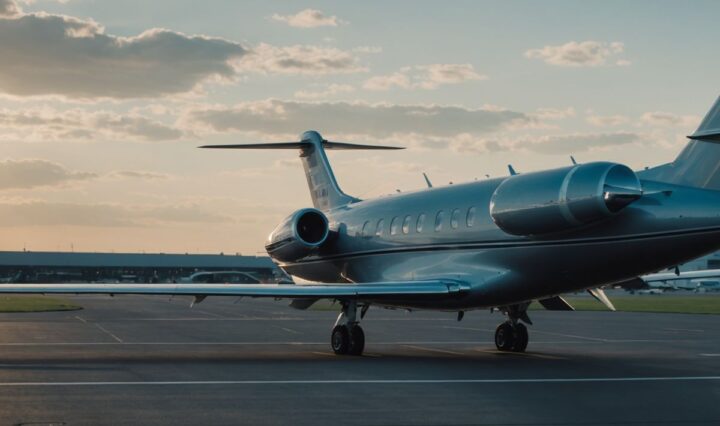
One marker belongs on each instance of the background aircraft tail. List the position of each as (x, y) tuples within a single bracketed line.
[(324, 190), (698, 164)]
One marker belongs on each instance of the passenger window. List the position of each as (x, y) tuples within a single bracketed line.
[(406, 224), (454, 218), (366, 229), (380, 225), (439, 221), (420, 223), (395, 226), (470, 220)]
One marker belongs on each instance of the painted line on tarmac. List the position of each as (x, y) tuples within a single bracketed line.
[(266, 343), (713, 355), (104, 330), (366, 382)]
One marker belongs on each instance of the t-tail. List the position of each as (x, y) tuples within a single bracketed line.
[(324, 189), (698, 164)]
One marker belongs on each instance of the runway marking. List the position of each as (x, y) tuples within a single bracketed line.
[(469, 328), (684, 329), (81, 319), (601, 340), (104, 330), (288, 330), (442, 351), (713, 355), (367, 381)]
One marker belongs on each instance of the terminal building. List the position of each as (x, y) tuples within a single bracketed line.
[(47, 267)]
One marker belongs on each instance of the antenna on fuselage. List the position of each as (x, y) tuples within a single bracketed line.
[(573, 160), (429, 184)]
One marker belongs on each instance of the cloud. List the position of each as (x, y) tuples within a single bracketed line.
[(299, 59), (8, 8), (579, 54), (31, 173), (134, 174), (308, 18), (45, 213), (330, 90), (281, 118), (46, 54), (554, 113), (669, 119), (425, 77), (606, 120), (74, 124), (569, 144)]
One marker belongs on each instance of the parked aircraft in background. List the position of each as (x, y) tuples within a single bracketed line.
[(496, 243), (669, 281)]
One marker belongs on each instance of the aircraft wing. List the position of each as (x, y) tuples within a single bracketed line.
[(373, 290)]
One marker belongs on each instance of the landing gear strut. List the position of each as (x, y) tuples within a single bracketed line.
[(347, 336), (512, 335)]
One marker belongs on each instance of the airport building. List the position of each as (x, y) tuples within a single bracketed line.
[(26, 266)]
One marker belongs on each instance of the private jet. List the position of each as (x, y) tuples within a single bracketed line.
[(498, 243)]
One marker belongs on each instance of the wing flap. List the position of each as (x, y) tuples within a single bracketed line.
[(376, 290), (556, 303)]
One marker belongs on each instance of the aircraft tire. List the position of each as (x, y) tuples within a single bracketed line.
[(504, 337), (340, 340), (520, 338), (357, 341)]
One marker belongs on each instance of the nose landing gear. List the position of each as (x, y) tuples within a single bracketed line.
[(347, 337)]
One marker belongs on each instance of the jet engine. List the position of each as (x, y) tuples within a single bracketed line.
[(298, 235), (563, 199)]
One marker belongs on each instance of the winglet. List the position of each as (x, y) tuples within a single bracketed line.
[(511, 169)]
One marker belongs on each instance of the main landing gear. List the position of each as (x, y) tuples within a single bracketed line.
[(347, 336), (512, 335)]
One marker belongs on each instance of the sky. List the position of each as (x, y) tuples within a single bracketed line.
[(103, 105)]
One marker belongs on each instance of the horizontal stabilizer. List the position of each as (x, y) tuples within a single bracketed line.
[(709, 129), (556, 303), (298, 145)]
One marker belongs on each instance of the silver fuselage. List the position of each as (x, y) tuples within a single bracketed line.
[(667, 226)]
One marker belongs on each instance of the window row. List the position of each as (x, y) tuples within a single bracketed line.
[(405, 225)]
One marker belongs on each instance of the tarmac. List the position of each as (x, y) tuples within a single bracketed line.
[(134, 360)]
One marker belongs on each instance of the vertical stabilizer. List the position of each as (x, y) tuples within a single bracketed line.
[(698, 164)]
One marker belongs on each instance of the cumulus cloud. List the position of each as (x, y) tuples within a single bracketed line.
[(276, 117), (300, 59), (331, 90), (31, 173), (425, 77), (607, 120), (580, 54), (46, 213), (74, 124), (135, 174), (308, 18), (46, 54), (554, 113)]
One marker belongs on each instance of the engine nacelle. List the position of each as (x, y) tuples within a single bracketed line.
[(298, 235), (563, 199)]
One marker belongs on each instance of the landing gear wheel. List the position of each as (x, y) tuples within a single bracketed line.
[(504, 337), (340, 340), (520, 338), (357, 341)]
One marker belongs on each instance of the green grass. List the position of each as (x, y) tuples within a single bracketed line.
[(28, 303), (709, 304)]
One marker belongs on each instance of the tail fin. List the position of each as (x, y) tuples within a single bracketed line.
[(324, 190), (698, 164)]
